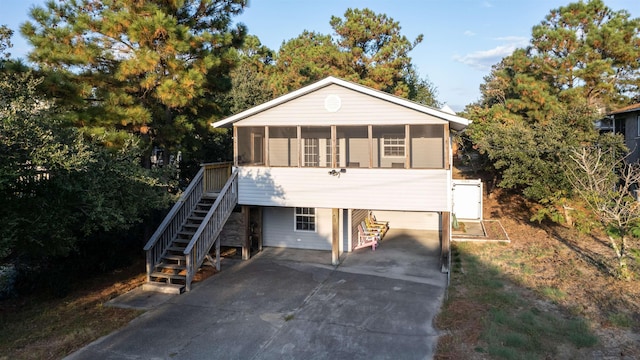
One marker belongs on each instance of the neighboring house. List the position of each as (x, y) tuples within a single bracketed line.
[(625, 121), (311, 164)]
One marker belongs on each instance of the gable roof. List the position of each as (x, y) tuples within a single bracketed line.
[(456, 122), (626, 109)]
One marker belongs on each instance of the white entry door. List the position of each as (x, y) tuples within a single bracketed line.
[(467, 199)]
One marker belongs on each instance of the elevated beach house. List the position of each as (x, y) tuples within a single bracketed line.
[(308, 168)]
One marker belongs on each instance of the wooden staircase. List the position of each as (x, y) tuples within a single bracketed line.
[(182, 242)]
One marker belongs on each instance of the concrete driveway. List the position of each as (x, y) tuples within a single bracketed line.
[(289, 304)]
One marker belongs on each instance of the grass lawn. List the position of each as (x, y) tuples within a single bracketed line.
[(43, 328), (549, 294)]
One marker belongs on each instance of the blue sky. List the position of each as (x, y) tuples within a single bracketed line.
[(462, 38)]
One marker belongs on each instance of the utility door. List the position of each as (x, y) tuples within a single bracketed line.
[(467, 199)]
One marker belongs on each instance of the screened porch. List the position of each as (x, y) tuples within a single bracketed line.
[(372, 146)]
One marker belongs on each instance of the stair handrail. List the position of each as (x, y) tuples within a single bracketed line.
[(207, 233), (164, 234)]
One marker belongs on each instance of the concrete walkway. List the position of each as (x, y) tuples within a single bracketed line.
[(289, 304)]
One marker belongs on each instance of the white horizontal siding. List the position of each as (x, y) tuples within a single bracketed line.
[(410, 220), (383, 189), (356, 109), (278, 230)]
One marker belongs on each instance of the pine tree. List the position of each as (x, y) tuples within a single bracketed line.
[(369, 49), (138, 66), (589, 52), (539, 103), (378, 52)]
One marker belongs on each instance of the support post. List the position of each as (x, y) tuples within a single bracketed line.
[(370, 135), (447, 147), (235, 146), (259, 229), (246, 244), (218, 253), (335, 236), (445, 241), (407, 146)]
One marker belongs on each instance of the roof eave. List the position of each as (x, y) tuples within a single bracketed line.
[(456, 122)]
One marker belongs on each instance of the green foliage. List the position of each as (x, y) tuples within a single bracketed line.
[(60, 189), (146, 67), (378, 51), (250, 80), (5, 41), (621, 320), (369, 49), (538, 104), (526, 333), (549, 209), (589, 52), (306, 59), (530, 157)]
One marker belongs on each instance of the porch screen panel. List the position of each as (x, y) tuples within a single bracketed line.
[(316, 149), (427, 146), (353, 146), (250, 146), (390, 145), (283, 146)]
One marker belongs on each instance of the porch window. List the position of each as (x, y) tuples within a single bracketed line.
[(389, 146), (305, 219), (393, 145)]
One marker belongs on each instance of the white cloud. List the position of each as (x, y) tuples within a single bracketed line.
[(484, 59), (469, 33)]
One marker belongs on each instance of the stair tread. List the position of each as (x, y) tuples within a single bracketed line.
[(167, 275), (162, 287), (181, 241), (171, 266), (173, 257), (176, 248)]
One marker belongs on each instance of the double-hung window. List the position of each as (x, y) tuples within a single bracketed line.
[(393, 145), (305, 219)]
